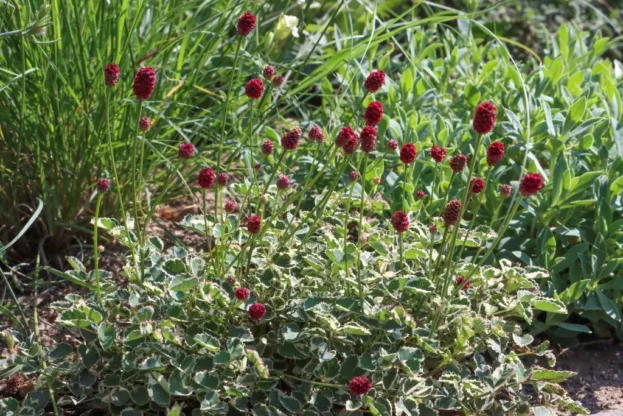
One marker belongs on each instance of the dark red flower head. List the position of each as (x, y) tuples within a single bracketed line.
[(242, 293), (351, 144), (495, 153), (344, 136), (144, 83), (230, 206), (316, 134), (103, 185), (392, 144), (290, 139), (360, 385), (420, 194), (460, 280), (353, 176), (530, 184), (477, 185), (373, 113), (144, 124), (368, 139), (223, 179), (452, 212), (254, 224), (505, 190), (458, 162), (254, 89), (400, 221), (408, 153), (267, 147), (375, 81), (186, 150), (432, 229), (111, 75), (257, 167), (257, 311), (269, 72), (278, 81), (246, 23), (437, 153), (484, 118), (283, 182), (206, 178)]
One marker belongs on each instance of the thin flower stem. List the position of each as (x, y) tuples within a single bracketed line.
[(272, 176), (430, 255), (441, 248), (44, 364), (360, 229), (301, 193), (134, 190), (346, 215), (96, 250), (475, 214), (320, 210), (205, 226), (402, 252), (304, 187), (497, 240), (466, 196), (445, 201), (315, 383), (116, 184), (226, 108)]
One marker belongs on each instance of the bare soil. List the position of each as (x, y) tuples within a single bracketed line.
[(599, 383)]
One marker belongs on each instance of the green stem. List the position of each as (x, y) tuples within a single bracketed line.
[(315, 383), (346, 215), (466, 196), (475, 215), (134, 190), (204, 211), (226, 108), (401, 248), (116, 184), (96, 250), (463, 208), (360, 230), (44, 364), (320, 210), (272, 176), (497, 240)]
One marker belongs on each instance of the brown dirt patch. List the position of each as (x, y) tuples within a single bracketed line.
[(599, 383)]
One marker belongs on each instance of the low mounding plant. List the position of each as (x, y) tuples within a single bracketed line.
[(304, 306), (292, 331)]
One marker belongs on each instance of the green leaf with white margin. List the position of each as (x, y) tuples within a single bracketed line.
[(549, 305), (290, 403), (158, 388), (553, 376), (415, 253), (524, 340), (541, 411), (208, 342), (354, 329), (105, 223)]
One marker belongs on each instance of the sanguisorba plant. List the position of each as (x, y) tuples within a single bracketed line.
[(308, 308)]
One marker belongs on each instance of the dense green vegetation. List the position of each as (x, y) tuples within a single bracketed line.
[(437, 316)]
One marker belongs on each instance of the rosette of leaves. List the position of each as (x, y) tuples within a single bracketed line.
[(180, 340)]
